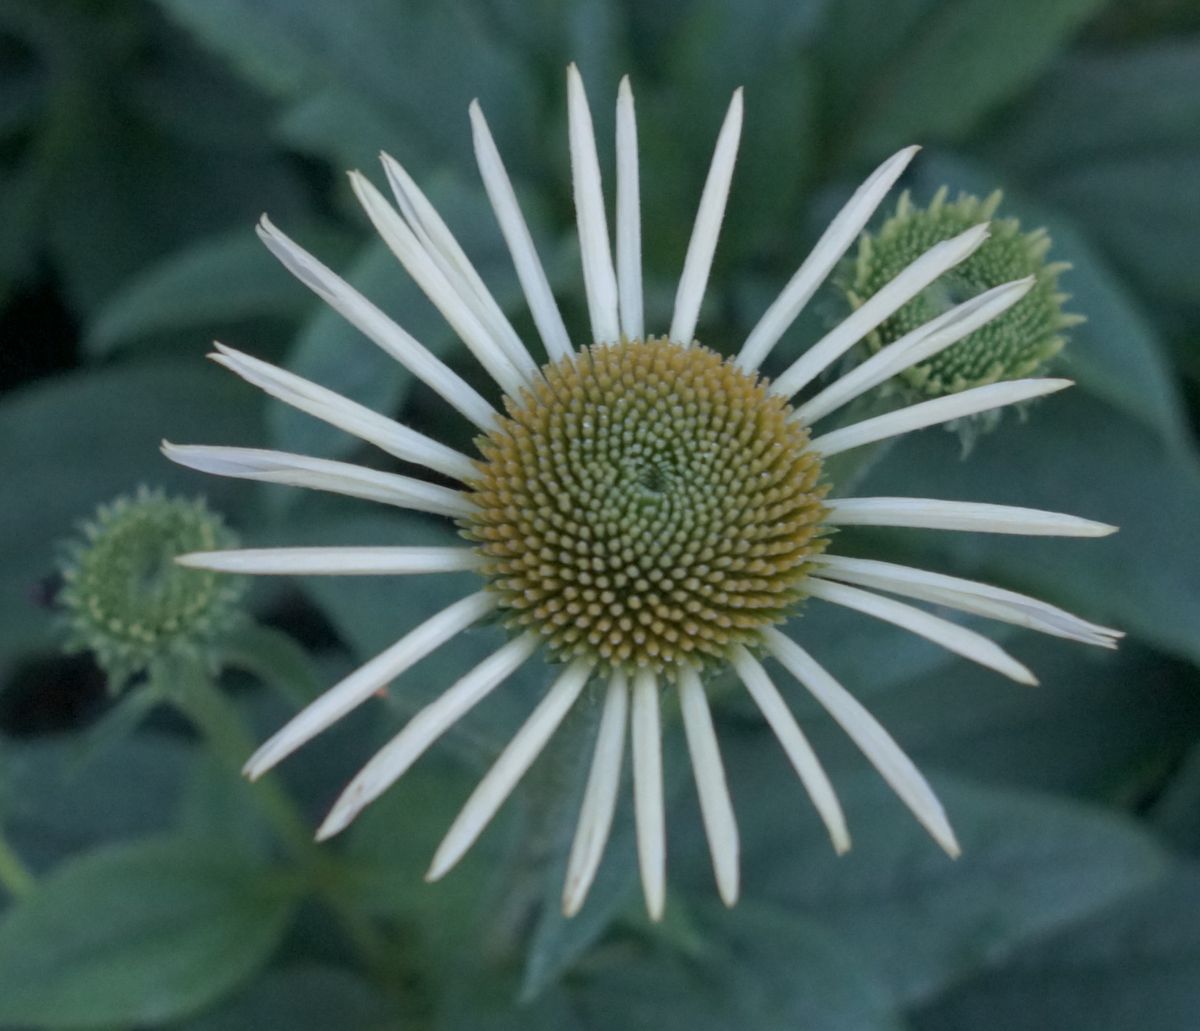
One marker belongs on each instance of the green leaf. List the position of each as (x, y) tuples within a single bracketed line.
[(1030, 866), (1135, 965), (304, 997), (216, 281), (1176, 813), (931, 70), (80, 439), (274, 658), (138, 933), (1076, 455)]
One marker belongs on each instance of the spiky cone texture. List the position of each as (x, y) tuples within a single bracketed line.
[(1018, 343), (126, 600), (644, 512)]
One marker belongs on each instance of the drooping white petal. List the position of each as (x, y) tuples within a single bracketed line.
[(387, 434), (335, 561), (940, 409), (599, 797), (530, 272), (940, 258), (931, 514), (716, 808), (711, 213), (369, 678), (356, 481), (834, 242), (968, 596), (799, 752), (452, 261), (629, 217), (509, 768), (649, 815), (377, 327), (877, 745), (950, 636), (915, 347), (391, 761), (403, 243), (599, 279)]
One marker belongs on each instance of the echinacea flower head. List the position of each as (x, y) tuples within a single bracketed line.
[(127, 601), (643, 511)]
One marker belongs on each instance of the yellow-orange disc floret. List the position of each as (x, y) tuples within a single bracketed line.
[(647, 505)]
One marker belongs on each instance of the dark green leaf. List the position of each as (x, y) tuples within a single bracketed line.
[(137, 934), (1135, 965), (1176, 813)]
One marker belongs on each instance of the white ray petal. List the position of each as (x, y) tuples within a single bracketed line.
[(976, 516), (403, 243), (716, 807), (452, 261), (387, 434), (530, 272), (367, 679), (940, 258), (335, 561), (649, 815), (968, 596), (950, 636), (865, 731), (599, 279), (355, 481), (711, 213), (509, 768), (377, 327), (834, 242), (391, 761), (629, 217), (920, 345), (599, 797), (795, 745), (940, 409)]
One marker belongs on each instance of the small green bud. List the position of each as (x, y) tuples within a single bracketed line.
[(128, 602), (1016, 344)]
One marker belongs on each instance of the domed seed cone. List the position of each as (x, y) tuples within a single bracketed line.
[(647, 505)]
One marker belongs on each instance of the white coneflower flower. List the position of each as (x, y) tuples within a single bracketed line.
[(644, 511)]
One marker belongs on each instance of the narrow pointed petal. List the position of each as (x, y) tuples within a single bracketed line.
[(335, 561), (369, 678), (599, 797), (377, 327), (968, 596), (795, 745), (865, 731), (711, 213), (393, 760), (403, 243), (716, 807), (939, 410), (834, 243), (530, 272), (915, 347), (599, 279), (386, 434), (452, 261), (649, 814), (509, 768), (355, 481), (629, 217), (950, 636), (940, 258), (930, 514)]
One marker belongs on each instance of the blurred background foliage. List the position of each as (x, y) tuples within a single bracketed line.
[(140, 140)]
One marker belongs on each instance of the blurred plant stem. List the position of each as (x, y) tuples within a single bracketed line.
[(15, 877), (220, 724)]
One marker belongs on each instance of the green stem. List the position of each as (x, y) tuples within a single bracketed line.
[(15, 877)]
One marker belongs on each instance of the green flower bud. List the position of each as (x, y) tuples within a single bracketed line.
[(128, 602)]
